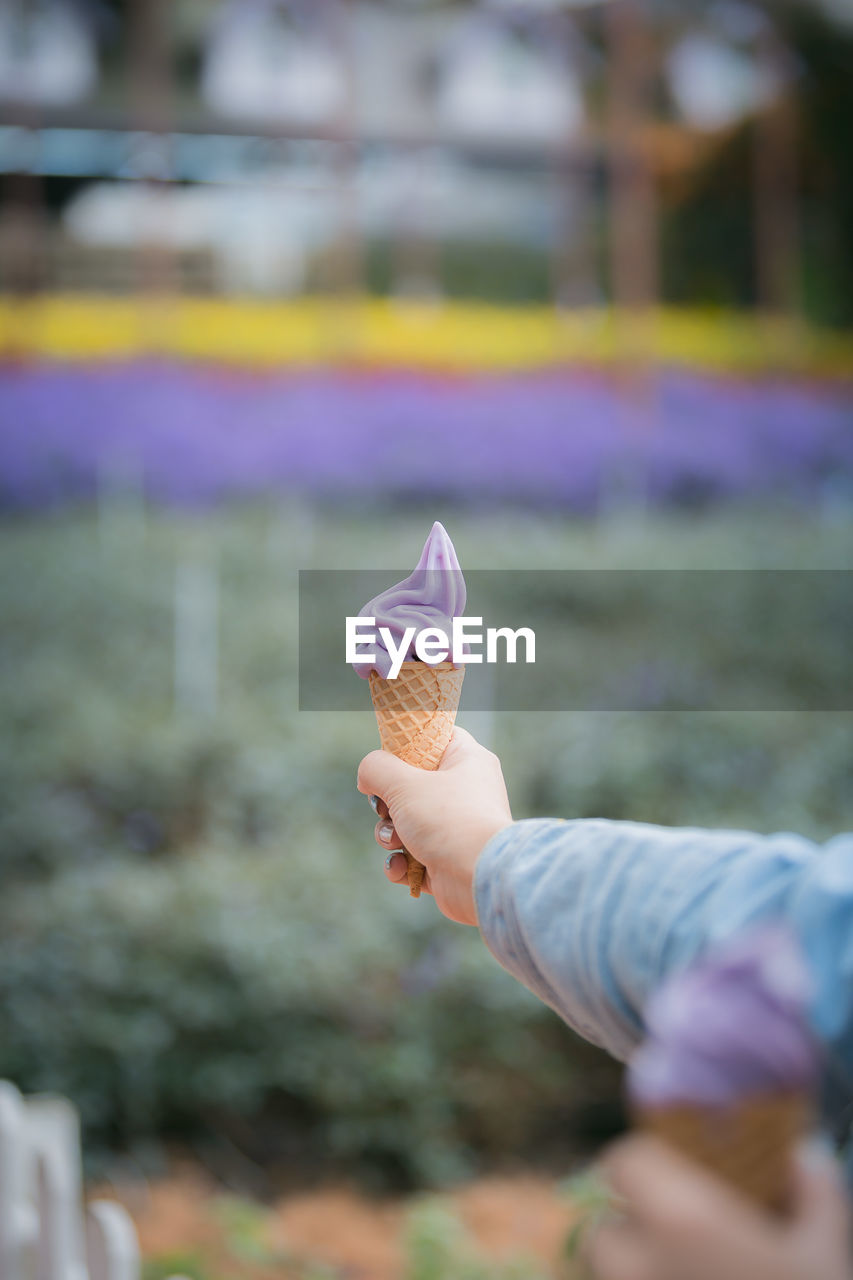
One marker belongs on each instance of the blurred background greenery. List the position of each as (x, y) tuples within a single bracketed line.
[(244, 251), (197, 937)]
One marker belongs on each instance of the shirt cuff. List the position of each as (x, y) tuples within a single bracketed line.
[(509, 856)]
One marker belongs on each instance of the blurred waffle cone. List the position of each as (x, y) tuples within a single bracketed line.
[(748, 1145), (416, 714)]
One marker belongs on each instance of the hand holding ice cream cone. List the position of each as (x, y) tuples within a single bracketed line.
[(416, 709), (675, 1221), (729, 1068), (445, 816)]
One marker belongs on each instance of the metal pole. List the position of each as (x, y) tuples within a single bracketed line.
[(24, 257), (197, 635), (634, 244), (775, 180), (151, 90), (349, 256), (635, 269), (574, 267)]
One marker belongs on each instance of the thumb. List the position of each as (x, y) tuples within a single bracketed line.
[(382, 774), (462, 746), (820, 1198)]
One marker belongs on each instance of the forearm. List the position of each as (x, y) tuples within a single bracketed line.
[(592, 915)]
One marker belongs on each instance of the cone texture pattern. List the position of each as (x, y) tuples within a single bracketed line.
[(749, 1145), (416, 714)]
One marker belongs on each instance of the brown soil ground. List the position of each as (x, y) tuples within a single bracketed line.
[(185, 1221)]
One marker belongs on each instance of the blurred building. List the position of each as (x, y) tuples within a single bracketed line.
[(249, 137), (48, 53), (273, 62)]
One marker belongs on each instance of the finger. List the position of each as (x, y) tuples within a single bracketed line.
[(396, 864), (617, 1253), (665, 1191), (819, 1196), (386, 835), (397, 868), (381, 774)]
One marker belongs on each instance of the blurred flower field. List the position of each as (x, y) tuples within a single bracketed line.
[(570, 438), (447, 336)]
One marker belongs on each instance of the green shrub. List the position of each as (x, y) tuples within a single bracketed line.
[(197, 936), (189, 1266), (439, 1248), (192, 994)]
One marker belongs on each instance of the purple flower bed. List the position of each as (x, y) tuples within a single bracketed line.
[(197, 434)]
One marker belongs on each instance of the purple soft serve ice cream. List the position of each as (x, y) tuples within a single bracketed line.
[(732, 1027), (432, 596)]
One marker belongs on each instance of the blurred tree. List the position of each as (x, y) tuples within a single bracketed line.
[(709, 252)]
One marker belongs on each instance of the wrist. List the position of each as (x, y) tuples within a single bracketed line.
[(484, 833)]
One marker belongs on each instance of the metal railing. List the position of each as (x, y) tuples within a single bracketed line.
[(46, 1232)]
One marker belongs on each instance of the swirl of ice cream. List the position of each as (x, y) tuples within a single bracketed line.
[(432, 596), (733, 1026)]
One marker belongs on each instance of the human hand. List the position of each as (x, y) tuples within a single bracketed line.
[(678, 1222), (444, 818)]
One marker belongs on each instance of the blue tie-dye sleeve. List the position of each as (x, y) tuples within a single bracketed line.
[(591, 915)]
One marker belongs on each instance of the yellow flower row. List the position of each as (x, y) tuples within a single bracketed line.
[(454, 336)]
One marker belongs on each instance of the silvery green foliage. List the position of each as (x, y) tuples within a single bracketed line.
[(197, 937), (439, 1248)]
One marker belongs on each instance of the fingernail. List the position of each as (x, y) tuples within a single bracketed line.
[(374, 803), (386, 831), (388, 861)]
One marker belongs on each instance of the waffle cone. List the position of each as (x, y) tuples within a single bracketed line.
[(748, 1145), (416, 714)]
